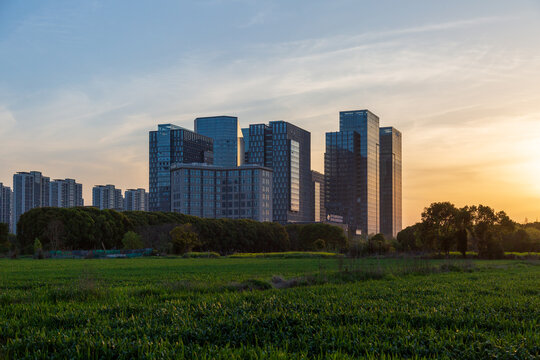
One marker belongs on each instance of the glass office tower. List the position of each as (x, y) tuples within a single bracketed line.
[(227, 136), (319, 196), (210, 191), (390, 176), (172, 144), (342, 168), (286, 149), (366, 124)]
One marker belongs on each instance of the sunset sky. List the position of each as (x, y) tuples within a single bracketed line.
[(82, 83)]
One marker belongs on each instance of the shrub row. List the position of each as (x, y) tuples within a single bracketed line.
[(89, 228)]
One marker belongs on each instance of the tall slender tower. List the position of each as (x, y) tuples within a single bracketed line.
[(286, 149), (366, 124), (390, 176)]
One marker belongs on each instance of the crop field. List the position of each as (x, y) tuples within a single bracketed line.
[(269, 308)]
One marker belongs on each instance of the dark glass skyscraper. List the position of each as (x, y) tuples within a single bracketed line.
[(366, 124), (172, 144), (342, 168), (390, 176), (286, 149), (228, 140)]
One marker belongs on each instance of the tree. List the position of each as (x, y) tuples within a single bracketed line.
[(132, 240), (463, 223), (54, 231), (184, 239), (489, 228), (38, 249), (408, 238), (4, 237), (438, 226)]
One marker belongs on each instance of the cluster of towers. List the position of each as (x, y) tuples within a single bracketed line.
[(260, 172), (263, 172)]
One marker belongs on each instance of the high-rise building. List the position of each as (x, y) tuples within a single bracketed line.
[(107, 197), (172, 144), (366, 124), (319, 196), (136, 200), (228, 140), (30, 190), (245, 135), (286, 149), (5, 205), (211, 191), (342, 169), (65, 193), (390, 181)]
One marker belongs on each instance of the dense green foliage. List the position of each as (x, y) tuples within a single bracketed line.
[(203, 308), (4, 236), (445, 228), (132, 240), (183, 239), (89, 228)]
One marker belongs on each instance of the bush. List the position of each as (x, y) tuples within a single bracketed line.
[(183, 239), (132, 240)]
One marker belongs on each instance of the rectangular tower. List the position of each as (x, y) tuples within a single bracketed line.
[(135, 200), (6, 196), (168, 145), (286, 149), (211, 191), (342, 168), (366, 124), (107, 197), (390, 181), (30, 190), (65, 193), (319, 196), (228, 140)]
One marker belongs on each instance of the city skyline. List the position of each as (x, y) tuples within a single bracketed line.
[(458, 81)]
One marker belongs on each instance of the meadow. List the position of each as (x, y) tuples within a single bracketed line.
[(269, 308)]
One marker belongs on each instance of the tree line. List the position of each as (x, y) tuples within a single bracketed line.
[(445, 227), (87, 228)]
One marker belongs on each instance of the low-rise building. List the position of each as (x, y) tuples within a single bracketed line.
[(211, 191)]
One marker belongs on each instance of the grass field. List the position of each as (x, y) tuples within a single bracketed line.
[(206, 308)]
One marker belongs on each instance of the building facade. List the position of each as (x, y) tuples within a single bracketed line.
[(390, 181), (30, 190), (6, 196), (342, 169), (65, 193), (319, 196), (211, 191), (168, 145), (136, 200), (228, 140), (286, 149), (366, 124), (107, 197)]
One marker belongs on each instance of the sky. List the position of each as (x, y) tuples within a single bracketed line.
[(82, 83)]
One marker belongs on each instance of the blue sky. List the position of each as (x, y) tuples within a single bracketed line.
[(81, 83)]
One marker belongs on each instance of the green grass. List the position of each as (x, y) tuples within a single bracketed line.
[(228, 308)]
